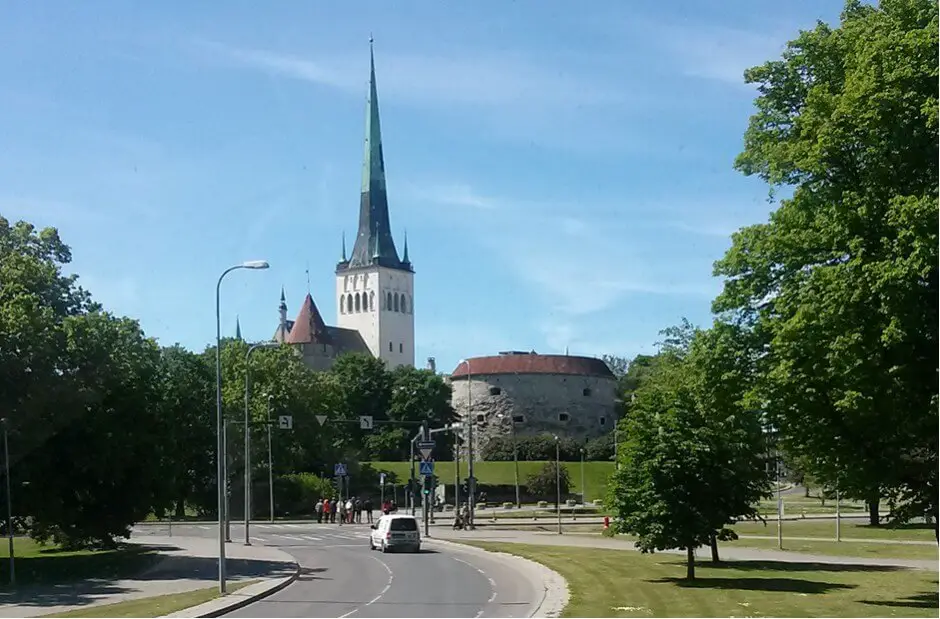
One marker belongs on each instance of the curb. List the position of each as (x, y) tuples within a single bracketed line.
[(239, 599), (555, 593)]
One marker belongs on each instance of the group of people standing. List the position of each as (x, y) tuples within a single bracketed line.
[(350, 511)]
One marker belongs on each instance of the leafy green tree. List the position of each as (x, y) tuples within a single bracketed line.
[(692, 454), (618, 365), (187, 386), (419, 394), (841, 284)]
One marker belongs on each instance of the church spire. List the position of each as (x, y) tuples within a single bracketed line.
[(374, 243), (238, 329), (404, 255), (344, 247)]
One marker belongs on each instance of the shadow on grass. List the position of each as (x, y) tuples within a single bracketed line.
[(920, 600), (786, 566), (790, 585)]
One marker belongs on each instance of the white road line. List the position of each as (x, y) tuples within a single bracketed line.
[(492, 585), (202, 526), (312, 538), (258, 539), (295, 526), (291, 537)]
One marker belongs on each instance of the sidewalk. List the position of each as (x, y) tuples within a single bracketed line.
[(731, 554), (186, 564)]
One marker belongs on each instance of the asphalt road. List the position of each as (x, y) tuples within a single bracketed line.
[(341, 577)]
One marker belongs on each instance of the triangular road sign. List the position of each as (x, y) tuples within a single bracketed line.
[(426, 452), (321, 419)]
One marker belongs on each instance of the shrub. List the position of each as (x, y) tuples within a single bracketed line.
[(298, 493), (543, 482)]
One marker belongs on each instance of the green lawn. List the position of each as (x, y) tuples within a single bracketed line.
[(827, 529), (155, 606), (612, 583), (595, 473), (38, 564)]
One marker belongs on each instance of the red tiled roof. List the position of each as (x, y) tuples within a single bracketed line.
[(309, 326), (533, 364)]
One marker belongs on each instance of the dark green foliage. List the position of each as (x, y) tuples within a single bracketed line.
[(545, 481)]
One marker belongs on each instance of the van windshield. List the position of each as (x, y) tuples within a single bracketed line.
[(403, 524)]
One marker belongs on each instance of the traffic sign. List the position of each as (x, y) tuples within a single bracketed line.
[(285, 422), (365, 422), (382, 478), (339, 469), (426, 447), (321, 419), (427, 468)]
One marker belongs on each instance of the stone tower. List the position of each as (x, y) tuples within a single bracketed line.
[(374, 288)]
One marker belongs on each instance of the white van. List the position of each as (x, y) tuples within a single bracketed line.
[(395, 531)]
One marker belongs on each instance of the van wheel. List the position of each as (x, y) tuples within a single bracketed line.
[(384, 548), (371, 545)]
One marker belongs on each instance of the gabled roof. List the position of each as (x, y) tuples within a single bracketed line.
[(309, 326)]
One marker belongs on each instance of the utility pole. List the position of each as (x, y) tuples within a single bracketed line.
[(6, 457)]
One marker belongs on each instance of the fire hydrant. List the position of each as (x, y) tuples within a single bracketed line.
[(606, 522)]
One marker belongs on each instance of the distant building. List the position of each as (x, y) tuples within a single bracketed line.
[(562, 394), (374, 287)]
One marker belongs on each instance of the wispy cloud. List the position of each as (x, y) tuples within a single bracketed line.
[(479, 79)]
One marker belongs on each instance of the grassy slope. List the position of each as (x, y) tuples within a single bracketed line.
[(595, 473), (611, 583)]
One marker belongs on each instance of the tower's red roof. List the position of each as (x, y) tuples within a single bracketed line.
[(531, 363), (309, 326)]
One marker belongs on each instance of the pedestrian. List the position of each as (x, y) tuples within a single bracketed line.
[(367, 506), (349, 510), (358, 510), (319, 511)]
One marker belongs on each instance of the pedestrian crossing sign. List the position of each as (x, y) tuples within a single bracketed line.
[(427, 468)]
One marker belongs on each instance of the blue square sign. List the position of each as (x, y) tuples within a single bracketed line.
[(427, 468), (339, 470)]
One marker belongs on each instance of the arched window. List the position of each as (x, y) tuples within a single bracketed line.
[(401, 347), (358, 303), (342, 304), (349, 304), (388, 301), (404, 305), (396, 302)]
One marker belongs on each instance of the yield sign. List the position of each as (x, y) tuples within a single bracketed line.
[(321, 419), (426, 447)]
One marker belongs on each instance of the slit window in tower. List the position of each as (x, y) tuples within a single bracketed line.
[(388, 301), (404, 305), (390, 349), (396, 302), (401, 347), (349, 304), (358, 303)]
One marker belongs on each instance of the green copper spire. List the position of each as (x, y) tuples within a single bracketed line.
[(404, 256), (238, 329), (374, 243), (373, 164)]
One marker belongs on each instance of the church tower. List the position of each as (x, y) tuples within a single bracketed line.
[(374, 288)]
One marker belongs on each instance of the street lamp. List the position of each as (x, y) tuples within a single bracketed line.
[(515, 453), (6, 457), (251, 348), (471, 483), (558, 482), (270, 464), (219, 418)]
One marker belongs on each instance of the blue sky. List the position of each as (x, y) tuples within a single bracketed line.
[(565, 177)]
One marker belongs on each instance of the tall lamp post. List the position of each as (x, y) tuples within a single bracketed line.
[(270, 463), (6, 458), (558, 481), (515, 454), (251, 349), (471, 483), (583, 489), (219, 418)]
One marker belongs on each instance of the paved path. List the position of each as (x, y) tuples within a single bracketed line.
[(734, 554), (186, 563), (341, 577)]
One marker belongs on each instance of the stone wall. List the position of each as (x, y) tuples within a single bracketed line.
[(539, 404)]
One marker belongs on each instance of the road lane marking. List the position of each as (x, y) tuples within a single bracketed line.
[(492, 585), (311, 538), (258, 539), (202, 526)]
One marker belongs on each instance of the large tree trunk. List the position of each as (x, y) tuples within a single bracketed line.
[(873, 504), (690, 563), (806, 491), (180, 509), (714, 545)]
